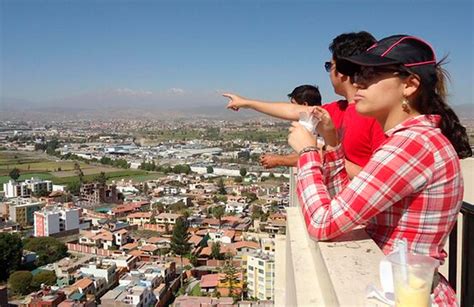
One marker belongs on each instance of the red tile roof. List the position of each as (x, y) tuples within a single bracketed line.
[(209, 281), (140, 215), (248, 244), (83, 283), (149, 248)]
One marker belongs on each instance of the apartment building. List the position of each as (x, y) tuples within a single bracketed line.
[(261, 275), (27, 188), (54, 220)]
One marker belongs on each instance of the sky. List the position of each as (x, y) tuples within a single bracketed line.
[(188, 52)]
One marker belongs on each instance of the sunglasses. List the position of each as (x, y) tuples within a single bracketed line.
[(327, 66), (368, 75)]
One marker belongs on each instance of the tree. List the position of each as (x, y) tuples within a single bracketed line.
[(79, 172), (251, 197), (257, 212), (11, 251), (221, 187), (179, 241), (44, 277), (218, 213), (210, 170), (243, 171), (20, 282), (74, 187), (193, 259), (216, 251), (48, 249), (230, 277), (101, 178), (182, 169), (14, 174)]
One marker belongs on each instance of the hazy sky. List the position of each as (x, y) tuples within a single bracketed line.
[(188, 51)]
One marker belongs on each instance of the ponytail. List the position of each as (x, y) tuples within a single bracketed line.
[(432, 100)]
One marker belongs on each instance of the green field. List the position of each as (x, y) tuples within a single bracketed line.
[(32, 164)]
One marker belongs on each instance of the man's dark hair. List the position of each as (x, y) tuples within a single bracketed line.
[(349, 44), (306, 93)]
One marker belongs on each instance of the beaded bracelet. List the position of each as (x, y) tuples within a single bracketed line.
[(308, 149)]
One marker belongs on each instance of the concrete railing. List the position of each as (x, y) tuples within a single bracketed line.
[(336, 273)]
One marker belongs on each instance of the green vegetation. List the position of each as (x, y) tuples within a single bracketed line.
[(11, 250), (218, 212), (216, 251), (23, 282), (179, 241), (44, 277), (196, 291), (14, 173), (279, 135), (63, 171), (48, 249), (20, 282), (230, 278), (221, 187)]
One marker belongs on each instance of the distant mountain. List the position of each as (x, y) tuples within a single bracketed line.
[(464, 110), (127, 104)]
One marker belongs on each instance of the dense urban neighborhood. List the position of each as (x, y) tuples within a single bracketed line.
[(140, 213)]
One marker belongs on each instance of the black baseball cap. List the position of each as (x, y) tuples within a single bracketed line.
[(410, 52)]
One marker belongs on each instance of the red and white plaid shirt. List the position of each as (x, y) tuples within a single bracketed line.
[(411, 188)]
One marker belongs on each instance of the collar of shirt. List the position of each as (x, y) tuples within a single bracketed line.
[(418, 121)]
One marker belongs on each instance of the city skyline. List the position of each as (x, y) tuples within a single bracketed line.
[(184, 54)]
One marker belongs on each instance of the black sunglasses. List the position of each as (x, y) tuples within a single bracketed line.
[(327, 66), (367, 75)]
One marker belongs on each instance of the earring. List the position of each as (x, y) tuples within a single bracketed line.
[(405, 106)]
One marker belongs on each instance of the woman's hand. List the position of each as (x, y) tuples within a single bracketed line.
[(300, 137), (236, 102), (325, 126)]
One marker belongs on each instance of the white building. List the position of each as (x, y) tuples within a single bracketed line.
[(27, 188), (235, 207), (261, 276), (103, 270), (53, 220), (129, 296)]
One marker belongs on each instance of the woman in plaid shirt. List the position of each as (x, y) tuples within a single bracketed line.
[(412, 187)]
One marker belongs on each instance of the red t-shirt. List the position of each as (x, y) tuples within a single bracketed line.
[(360, 135)]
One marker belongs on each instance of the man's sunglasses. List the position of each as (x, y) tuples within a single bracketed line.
[(327, 66)]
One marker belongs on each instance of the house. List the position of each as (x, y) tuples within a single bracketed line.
[(167, 218), (139, 218), (208, 283), (235, 207)]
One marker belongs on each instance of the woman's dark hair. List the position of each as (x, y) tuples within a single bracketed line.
[(349, 44), (432, 100), (306, 93)]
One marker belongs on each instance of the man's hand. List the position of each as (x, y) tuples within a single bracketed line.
[(236, 102), (269, 161)]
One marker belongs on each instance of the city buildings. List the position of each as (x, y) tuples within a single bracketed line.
[(54, 220), (27, 188), (22, 212), (261, 275)]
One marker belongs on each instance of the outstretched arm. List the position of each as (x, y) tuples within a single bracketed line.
[(271, 161), (281, 110)]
